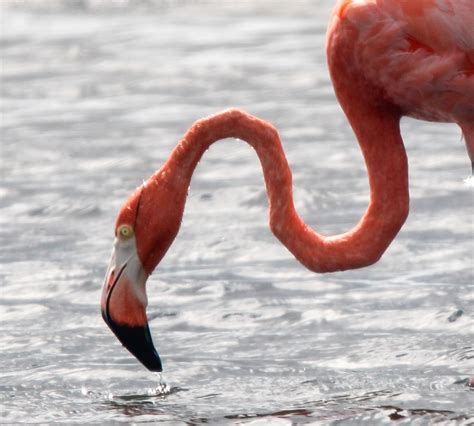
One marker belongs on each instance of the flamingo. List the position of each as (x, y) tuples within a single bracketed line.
[(387, 59)]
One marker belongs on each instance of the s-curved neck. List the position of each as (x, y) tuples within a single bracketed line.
[(361, 246)]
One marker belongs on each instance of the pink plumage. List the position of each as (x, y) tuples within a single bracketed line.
[(420, 53)]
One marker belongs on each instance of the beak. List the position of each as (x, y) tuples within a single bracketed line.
[(123, 306)]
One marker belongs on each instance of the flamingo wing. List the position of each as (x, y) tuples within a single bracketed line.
[(420, 52)]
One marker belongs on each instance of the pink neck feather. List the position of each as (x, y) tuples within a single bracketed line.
[(364, 244)]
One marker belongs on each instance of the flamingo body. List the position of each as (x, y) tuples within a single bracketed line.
[(387, 59), (417, 55), (420, 52)]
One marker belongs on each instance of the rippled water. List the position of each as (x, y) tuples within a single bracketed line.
[(94, 96)]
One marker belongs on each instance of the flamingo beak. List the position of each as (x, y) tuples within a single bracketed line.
[(123, 305)]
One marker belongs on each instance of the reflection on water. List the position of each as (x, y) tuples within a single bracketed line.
[(94, 97)]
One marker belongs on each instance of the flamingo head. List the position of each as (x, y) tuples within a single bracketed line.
[(145, 228)]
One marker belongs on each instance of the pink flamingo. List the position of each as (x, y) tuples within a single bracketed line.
[(387, 59)]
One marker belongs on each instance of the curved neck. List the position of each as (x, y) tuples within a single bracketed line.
[(361, 246)]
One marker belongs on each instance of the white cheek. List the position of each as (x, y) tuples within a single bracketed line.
[(135, 274), (124, 251)]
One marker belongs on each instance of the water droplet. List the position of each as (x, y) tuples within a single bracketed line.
[(469, 181), (162, 389)]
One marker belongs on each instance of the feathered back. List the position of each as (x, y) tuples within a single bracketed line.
[(421, 52)]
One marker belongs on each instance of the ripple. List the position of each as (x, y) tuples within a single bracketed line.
[(96, 96)]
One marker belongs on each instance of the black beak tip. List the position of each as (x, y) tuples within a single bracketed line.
[(137, 340)]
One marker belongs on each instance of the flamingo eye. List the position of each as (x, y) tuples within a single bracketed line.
[(125, 232)]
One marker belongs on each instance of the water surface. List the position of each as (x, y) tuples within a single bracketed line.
[(94, 96)]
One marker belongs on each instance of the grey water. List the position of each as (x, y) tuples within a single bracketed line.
[(94, 96)]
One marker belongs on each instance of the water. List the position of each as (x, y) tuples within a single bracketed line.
[(94, 96)]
